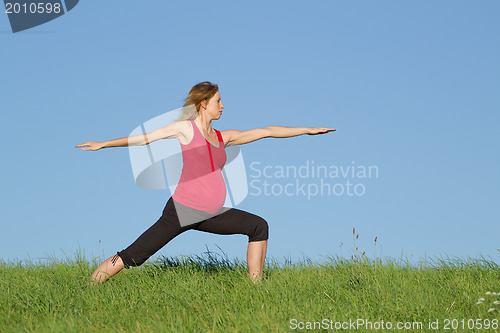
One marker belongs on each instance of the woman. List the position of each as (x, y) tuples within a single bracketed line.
[(197, 202)]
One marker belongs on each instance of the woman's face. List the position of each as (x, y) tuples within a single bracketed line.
[(215, 106)]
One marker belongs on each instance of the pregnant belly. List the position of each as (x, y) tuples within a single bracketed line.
[(206, 193)]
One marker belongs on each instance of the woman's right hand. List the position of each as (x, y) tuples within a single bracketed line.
[(91, 144)]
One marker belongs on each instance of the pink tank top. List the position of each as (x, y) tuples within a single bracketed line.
[(201, 185)]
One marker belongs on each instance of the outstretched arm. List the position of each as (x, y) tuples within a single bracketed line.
[(233, 137), (172, 130)]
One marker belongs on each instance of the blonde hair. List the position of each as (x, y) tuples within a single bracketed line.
[(198, 93)]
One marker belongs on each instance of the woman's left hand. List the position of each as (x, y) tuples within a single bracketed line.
[(319, 130)]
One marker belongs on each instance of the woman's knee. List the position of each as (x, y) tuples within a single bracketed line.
[(260, 231)]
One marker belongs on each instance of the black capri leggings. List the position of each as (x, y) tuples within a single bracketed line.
[(231, 221)]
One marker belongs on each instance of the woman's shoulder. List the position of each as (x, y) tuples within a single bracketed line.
[(183, 125), (185, 129)]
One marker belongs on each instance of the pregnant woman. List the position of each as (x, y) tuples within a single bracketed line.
[(197, 202)]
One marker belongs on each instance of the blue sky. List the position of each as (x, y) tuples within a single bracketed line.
[(411, 87)]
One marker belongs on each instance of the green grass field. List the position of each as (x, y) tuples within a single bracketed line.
[(210, 293)]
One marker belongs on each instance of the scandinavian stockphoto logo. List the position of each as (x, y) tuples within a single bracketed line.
[(26, 14), (158, 165), (311, 179)]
